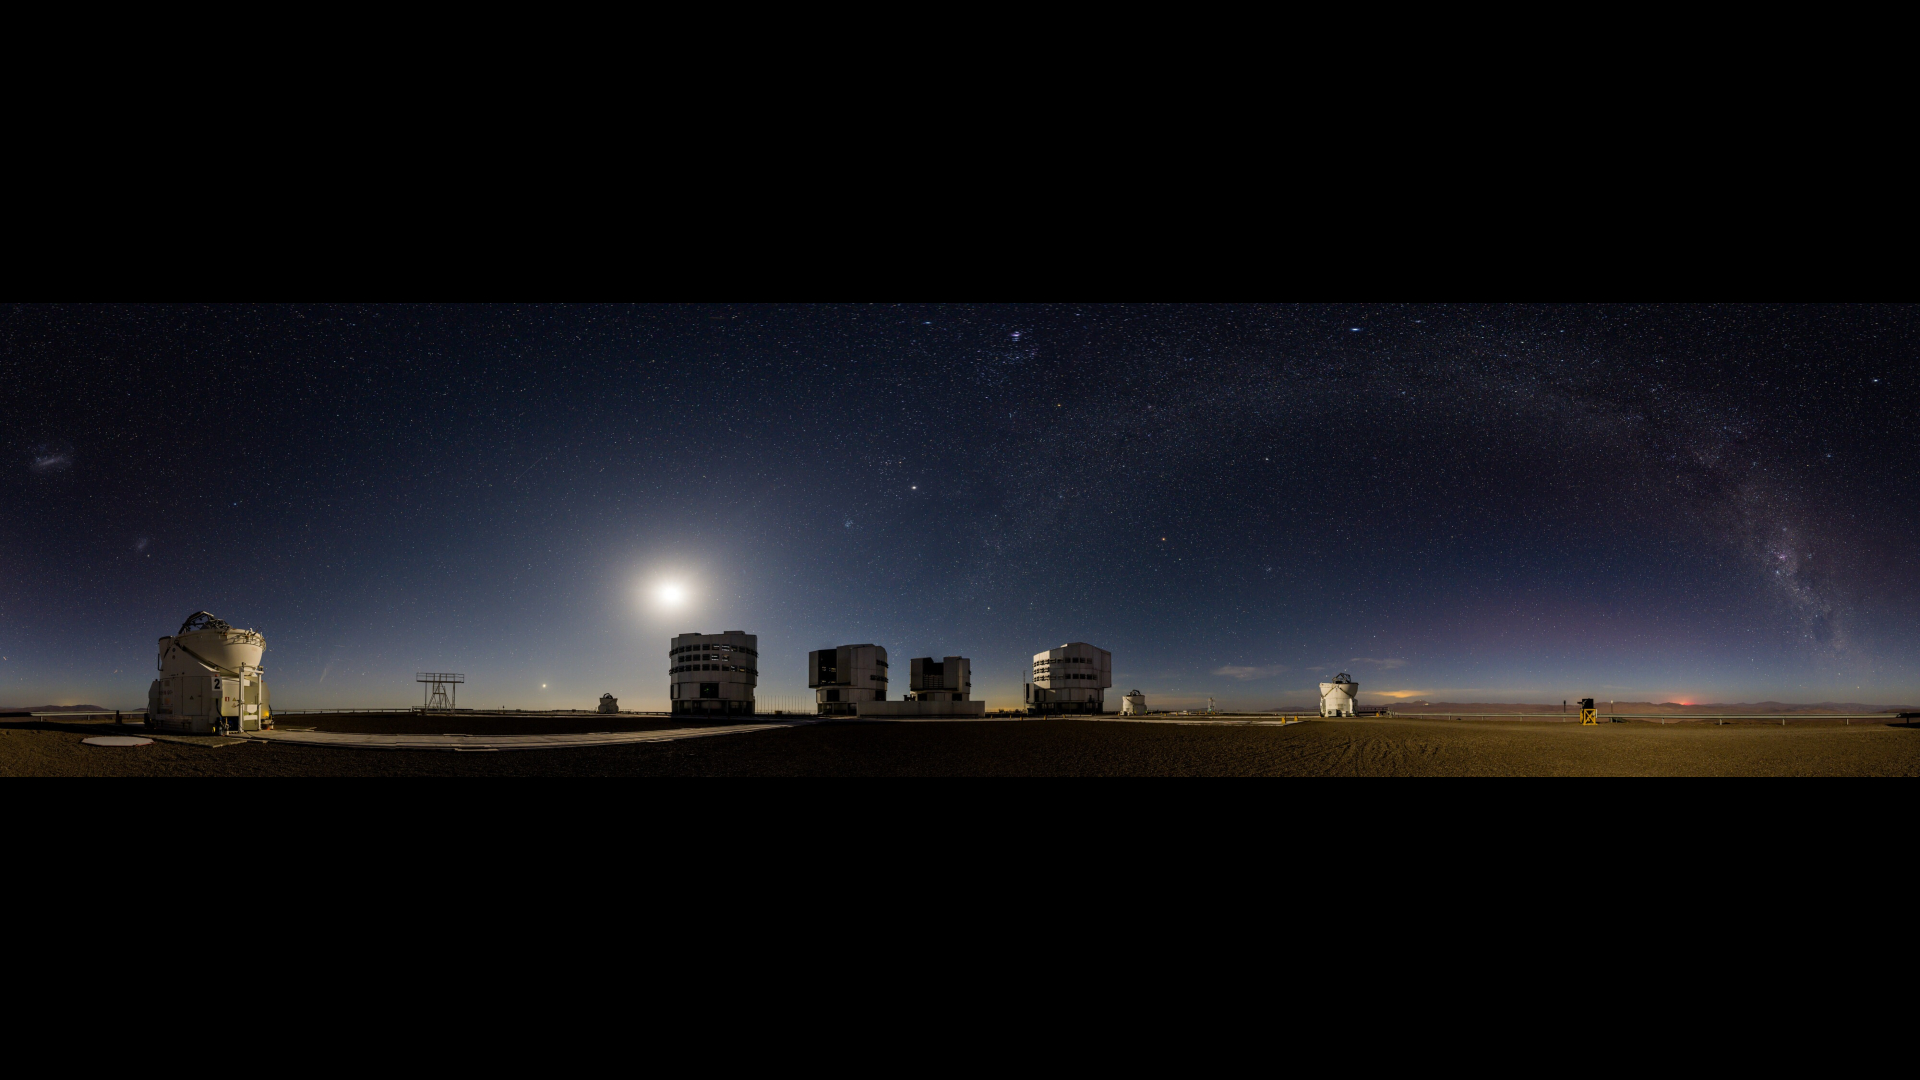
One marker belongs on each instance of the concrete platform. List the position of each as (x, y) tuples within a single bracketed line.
[(1210, 721), (923, 719), (503, 742)]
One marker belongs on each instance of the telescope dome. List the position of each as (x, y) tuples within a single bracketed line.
[(206, 643)]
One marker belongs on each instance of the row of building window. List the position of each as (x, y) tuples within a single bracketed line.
[(711, 648), (710, 667), (1065, 675)]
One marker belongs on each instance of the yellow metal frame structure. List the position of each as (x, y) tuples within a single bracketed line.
[(1587, 716)]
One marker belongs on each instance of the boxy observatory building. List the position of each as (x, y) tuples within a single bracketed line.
[(1337, 697), (844, 677), (949, 679), (937, 689), (713, 674), (210, 679), (1070, 679)]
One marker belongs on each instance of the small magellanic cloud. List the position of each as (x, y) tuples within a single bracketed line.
[(1245, 673)]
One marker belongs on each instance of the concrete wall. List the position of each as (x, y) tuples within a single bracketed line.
[(920, 710)]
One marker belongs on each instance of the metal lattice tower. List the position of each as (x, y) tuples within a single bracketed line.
[(440, 687)]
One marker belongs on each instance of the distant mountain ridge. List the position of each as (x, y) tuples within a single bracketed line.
[(57, 708)]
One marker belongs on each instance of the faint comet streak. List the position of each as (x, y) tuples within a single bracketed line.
[(1245, 673), (523, 472)]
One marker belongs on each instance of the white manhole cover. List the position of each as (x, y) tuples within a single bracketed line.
[(117, 740)]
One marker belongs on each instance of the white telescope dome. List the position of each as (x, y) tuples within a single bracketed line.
[(205, 643), (210, 679), (1337, 697)]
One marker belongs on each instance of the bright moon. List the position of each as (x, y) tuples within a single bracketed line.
[(671, 595)]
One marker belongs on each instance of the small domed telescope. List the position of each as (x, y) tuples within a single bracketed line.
[(210, 679)]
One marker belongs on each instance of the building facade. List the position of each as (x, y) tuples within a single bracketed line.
[(713, 674), (948, 679), (843, 677), (1073, 678), (1337, 697)]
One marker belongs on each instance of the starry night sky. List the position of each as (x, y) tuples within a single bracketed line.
[(1452, 503)]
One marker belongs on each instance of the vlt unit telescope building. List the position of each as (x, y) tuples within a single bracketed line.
[(1070, 679), (947, 680), (714, 674), (843, 678)]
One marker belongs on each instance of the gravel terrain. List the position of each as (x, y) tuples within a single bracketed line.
[(410, 723), (48, 746)]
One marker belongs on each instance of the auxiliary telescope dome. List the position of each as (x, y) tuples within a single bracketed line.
[(1337, 697), (210, 679), (205, 643)]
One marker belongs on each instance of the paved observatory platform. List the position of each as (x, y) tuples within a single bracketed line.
[(354, 741)]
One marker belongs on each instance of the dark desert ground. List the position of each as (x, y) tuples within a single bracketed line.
[(1397, 746)]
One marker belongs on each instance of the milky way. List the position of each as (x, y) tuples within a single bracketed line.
[(1486, 503)]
